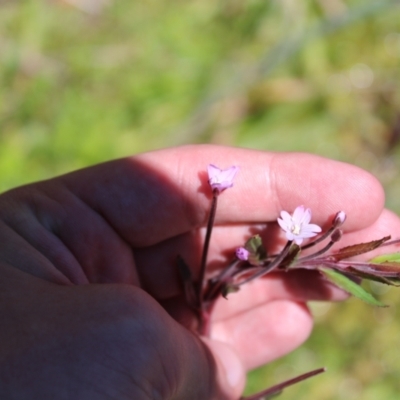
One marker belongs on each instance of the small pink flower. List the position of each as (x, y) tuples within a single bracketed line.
[(297, 226), (242, 254), (219, 179)]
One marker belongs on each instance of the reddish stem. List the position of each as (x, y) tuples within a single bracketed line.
[(203, 264), (278, 388)]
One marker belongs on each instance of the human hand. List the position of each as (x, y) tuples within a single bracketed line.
[(90, 299)]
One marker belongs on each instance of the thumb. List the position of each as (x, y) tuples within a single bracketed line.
[(230, 372), (208, 370), (203, 369)]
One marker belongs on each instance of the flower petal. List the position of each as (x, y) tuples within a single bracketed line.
[(229, 174), (306, 216), (283, 224), (298, 241), (213, 171), (308, 234), (287, 218), (290, 235), (298, 215), (311, 228)]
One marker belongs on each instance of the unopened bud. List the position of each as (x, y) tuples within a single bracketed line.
[(336, 235), (242, 254), (339, 219)]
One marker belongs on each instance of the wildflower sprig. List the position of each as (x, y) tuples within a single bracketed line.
[(251, 261)]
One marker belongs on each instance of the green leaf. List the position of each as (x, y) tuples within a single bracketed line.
[(229, 288), (351, 287), (256, 249), (392, 257)]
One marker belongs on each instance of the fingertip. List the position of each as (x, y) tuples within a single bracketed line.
[(365, 197), (267, 332), (327, 186), (294, 324), (388, 223)]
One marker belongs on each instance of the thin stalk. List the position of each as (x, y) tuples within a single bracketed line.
[(238, 274), (278, 388), (320, 239), (271, 266), (318, 253), (220, 279), (206, 245), (367, 268)]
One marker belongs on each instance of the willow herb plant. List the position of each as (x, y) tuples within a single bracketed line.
[(251, 261)]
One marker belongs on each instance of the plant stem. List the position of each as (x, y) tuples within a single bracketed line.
[(320, 239), (271, 266), (206, 245), (278, 388), (216, 283), (318, 253)]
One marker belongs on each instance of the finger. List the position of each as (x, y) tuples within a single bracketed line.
[(266, 332), (158, 195)]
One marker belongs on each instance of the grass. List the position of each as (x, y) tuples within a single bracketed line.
[(80, 86)]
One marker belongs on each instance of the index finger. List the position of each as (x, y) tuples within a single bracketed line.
[(154, 196)]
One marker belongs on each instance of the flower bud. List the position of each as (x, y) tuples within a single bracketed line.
[(336, 235), (242, 254), (339, 219)]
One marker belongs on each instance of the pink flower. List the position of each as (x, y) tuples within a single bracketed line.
[(219, 179), (242, 254), (297, 226)]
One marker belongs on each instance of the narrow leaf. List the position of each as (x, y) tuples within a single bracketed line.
[(185, 275), (357, 249), (349, 286), (387, 269), (373, 277), (393, 258)]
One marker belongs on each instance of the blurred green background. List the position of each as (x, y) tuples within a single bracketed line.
[(82, 81)]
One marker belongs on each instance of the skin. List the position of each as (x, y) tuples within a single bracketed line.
[(90, 301)]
